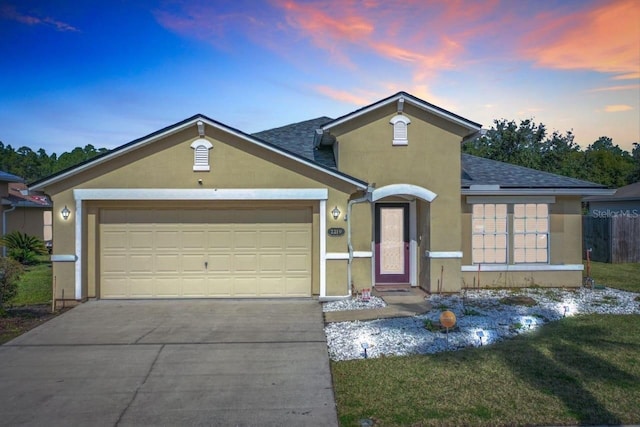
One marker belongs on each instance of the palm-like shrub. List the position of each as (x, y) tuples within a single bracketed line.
[(22, 247)]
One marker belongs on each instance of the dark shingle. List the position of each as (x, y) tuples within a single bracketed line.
[(481, 171), (298, 138)]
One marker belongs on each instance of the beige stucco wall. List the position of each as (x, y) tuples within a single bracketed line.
[(565, 247), (430, 160), (168, 163)]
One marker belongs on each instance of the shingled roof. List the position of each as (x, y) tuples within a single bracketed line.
[(9, 177), (481, 171), (298, 138)]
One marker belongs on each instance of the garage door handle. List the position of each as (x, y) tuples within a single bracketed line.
[(206, 265)]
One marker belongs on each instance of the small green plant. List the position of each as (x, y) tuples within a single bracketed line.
[(442, 307), (516, 326), (22, 247), (468, 311), (430, 326), (10, 271)]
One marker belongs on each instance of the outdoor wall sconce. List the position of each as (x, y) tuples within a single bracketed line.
[(335, 213), (65, 212)]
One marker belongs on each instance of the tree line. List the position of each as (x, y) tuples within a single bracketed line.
[(33, 165), (529, 144), (526, 144)]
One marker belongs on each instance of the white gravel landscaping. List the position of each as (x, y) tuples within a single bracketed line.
[(481, 320)]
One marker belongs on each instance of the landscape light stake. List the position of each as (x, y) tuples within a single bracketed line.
[(528, 322), (480, 334), (364, 346), (566, 308)]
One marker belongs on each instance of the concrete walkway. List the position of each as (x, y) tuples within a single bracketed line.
[(213, 362), (401, 303)]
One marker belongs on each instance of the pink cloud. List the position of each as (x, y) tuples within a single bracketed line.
[(605, 38), (10, 12), (617, 108)]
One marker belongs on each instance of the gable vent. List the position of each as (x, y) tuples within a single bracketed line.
[(400, 124), (201, 154)]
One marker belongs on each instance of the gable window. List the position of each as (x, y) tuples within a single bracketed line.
[(400, 124), (489, 240), (201, 149), (530, 233)]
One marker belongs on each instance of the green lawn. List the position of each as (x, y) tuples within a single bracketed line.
[(619, 276), (581, 370), (34, 285)]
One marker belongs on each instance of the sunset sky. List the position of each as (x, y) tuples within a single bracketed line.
[(107, 72)]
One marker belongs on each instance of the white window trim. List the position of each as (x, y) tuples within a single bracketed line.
[(548, 234)]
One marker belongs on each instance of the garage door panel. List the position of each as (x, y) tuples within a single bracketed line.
[(140, 263), (193, 263), (245, 286), (219, 263), (219, 239), (271, 263), (141, 239), (115, 287), (194, 287), (115, 240), (271, 287), (296, 240), (192, 240), (168, 287), (245, 263), (141, 287), (167, 263), (297, 286), (115, 263), (219, 286), (167, 239), (245, 239), (205, 253), (297, 263), (271, 240)]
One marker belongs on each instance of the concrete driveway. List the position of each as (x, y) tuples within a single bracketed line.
[(209, 362)]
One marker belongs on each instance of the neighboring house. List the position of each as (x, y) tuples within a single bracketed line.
[(30, 214), (611, 227), (379, 197), (625, 202)]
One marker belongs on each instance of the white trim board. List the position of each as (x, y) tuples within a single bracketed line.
[(345, 255), (443, 254), (521, 267), (471, 200), (201, 194)]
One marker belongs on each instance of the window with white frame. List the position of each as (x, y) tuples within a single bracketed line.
[(530, 233), (201, 149), (47, 228), (400, 123), (489, 239)]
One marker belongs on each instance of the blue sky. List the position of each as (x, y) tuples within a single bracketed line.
[(104, 73)]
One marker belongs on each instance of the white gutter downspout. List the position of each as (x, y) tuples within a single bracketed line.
[(4, 226), (365, 198)]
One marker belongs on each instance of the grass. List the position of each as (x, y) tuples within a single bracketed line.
[(619, 276), (580, 370), (34, 285)]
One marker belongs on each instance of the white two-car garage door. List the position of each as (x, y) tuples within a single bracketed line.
[(205, 253)]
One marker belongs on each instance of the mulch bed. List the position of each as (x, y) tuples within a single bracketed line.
[(18, 320)]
